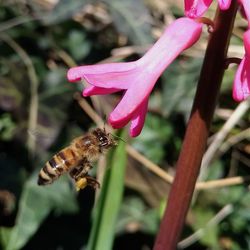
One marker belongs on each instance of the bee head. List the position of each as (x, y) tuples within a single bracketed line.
[(105, 139)]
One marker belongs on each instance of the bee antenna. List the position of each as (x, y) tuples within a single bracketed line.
[(104, 123), (116, 136)]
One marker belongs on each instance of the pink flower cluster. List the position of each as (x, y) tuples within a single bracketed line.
[(241, 87), (137, 79), (196, 8)]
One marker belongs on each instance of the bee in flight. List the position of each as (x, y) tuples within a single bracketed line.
[(76, 159)]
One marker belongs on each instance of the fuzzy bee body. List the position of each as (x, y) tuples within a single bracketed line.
[(76, 159)]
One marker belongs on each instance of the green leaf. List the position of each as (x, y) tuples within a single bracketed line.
[(210, 233), (4, 236), (7, 127), (109, 203), (132, 19), (77, 44), (215, 171), (231, 194), (159, 131), (135, 211), (35, 204)]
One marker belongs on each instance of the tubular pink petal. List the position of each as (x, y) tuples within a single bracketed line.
[(131, 100), (100, 71), (121, 80), (224, 4), (92, 90), (138, 119), (119, 124), (246, 39), (178, 36), (196, 8), (246, 9), (241, 87)]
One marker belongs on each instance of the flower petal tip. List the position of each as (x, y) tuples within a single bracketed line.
[(72, 75), (196, 8), (117, 121), (237, 98), (134, 133), (224, 4), (85, 93), (114, 124), (240, 96)]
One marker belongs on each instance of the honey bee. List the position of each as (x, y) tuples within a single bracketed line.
[(76, 159)]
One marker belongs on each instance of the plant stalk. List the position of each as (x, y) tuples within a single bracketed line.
[(195, 140)]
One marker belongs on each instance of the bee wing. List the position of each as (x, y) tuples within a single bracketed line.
[(35, 134), (42, 136)]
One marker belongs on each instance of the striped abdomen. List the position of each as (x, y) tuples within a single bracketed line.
[(61, 163)]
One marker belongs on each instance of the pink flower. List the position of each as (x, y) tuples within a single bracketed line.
[(196, 8), (137, 78), (241, 88)]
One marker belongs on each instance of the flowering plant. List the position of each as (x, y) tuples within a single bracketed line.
[(138, 78)]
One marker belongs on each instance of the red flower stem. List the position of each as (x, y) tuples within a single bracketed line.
[(195, 140)]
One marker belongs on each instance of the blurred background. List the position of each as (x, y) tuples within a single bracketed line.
[(40, 113)]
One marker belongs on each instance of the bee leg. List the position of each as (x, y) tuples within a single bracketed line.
[(82, 182), (86, 167), (81, 177), (82, 170), (75, 172), (92, 182)]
